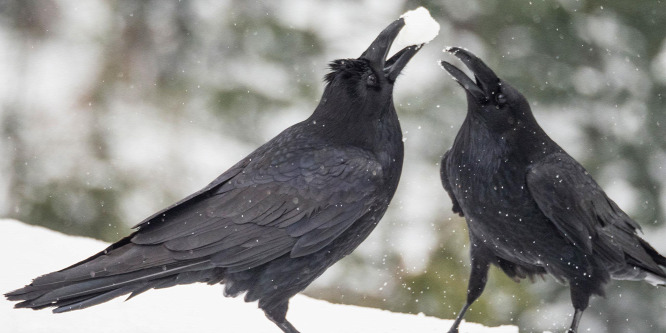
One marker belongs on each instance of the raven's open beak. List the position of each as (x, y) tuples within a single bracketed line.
[(378, 50), (486, 83)]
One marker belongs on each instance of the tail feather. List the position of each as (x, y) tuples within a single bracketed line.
[(90, 301), (649, 266), (658, 258), (657, 276), (108, 275), (655, 280), (213, 276)]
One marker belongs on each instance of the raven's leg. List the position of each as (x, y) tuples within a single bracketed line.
[(580, 297), (574, 323), (477, 281), (278, 314)]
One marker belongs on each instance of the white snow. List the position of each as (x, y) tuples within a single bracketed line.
[(420, 28), (28, 251)]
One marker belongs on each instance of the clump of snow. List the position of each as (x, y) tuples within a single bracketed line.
[(420, 28), (30, 251)]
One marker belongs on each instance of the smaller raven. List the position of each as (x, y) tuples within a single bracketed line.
[(531, 209), (275, 221)]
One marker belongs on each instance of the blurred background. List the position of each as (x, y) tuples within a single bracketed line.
[(111, 110)]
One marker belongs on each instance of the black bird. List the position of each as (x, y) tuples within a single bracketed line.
[(531, 209), (275, 221)]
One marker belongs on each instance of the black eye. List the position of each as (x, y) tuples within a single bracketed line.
[(500, 99), (371, 80)]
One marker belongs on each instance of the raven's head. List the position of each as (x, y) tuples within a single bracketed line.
[(493, 99), (365, 84)]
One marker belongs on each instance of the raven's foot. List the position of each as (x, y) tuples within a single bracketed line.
[(282, 322), (576, 320), (287, 327), (454, 327)]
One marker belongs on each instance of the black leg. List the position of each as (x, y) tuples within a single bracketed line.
[(477, 281), (278, 315), (574, 323), (285, 326), (580, 297)]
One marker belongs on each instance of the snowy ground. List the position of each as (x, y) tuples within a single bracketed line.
[(28, 251)]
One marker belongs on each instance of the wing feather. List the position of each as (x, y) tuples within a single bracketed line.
[(444, 176), (296, 204), (582, 212)]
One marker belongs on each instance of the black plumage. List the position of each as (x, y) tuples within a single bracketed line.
[(276, 220), (531, 209)]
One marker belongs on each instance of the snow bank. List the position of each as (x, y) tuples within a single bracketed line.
[(420, 28), (28, 251)]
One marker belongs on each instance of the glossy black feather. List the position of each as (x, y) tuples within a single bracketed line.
[(530, 207), (276, 220)]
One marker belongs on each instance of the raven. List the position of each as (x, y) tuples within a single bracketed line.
[(531, 209), (275, 221)]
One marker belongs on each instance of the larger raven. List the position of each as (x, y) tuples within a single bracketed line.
[(276, 220), (530, 207)]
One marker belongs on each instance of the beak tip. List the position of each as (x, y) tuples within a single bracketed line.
[(485, 80), (445, 65), (460, 53), (450, 69), (378, 49), (451, 49)]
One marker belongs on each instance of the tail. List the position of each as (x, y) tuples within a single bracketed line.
[(626, 256), (655, 277), (123, 268)]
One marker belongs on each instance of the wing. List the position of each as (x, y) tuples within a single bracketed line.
[(283, 202), (580, 209), (204, 192), (443, 174)]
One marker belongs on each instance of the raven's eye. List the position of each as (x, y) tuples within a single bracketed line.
[(371, 80), (500, 99)]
